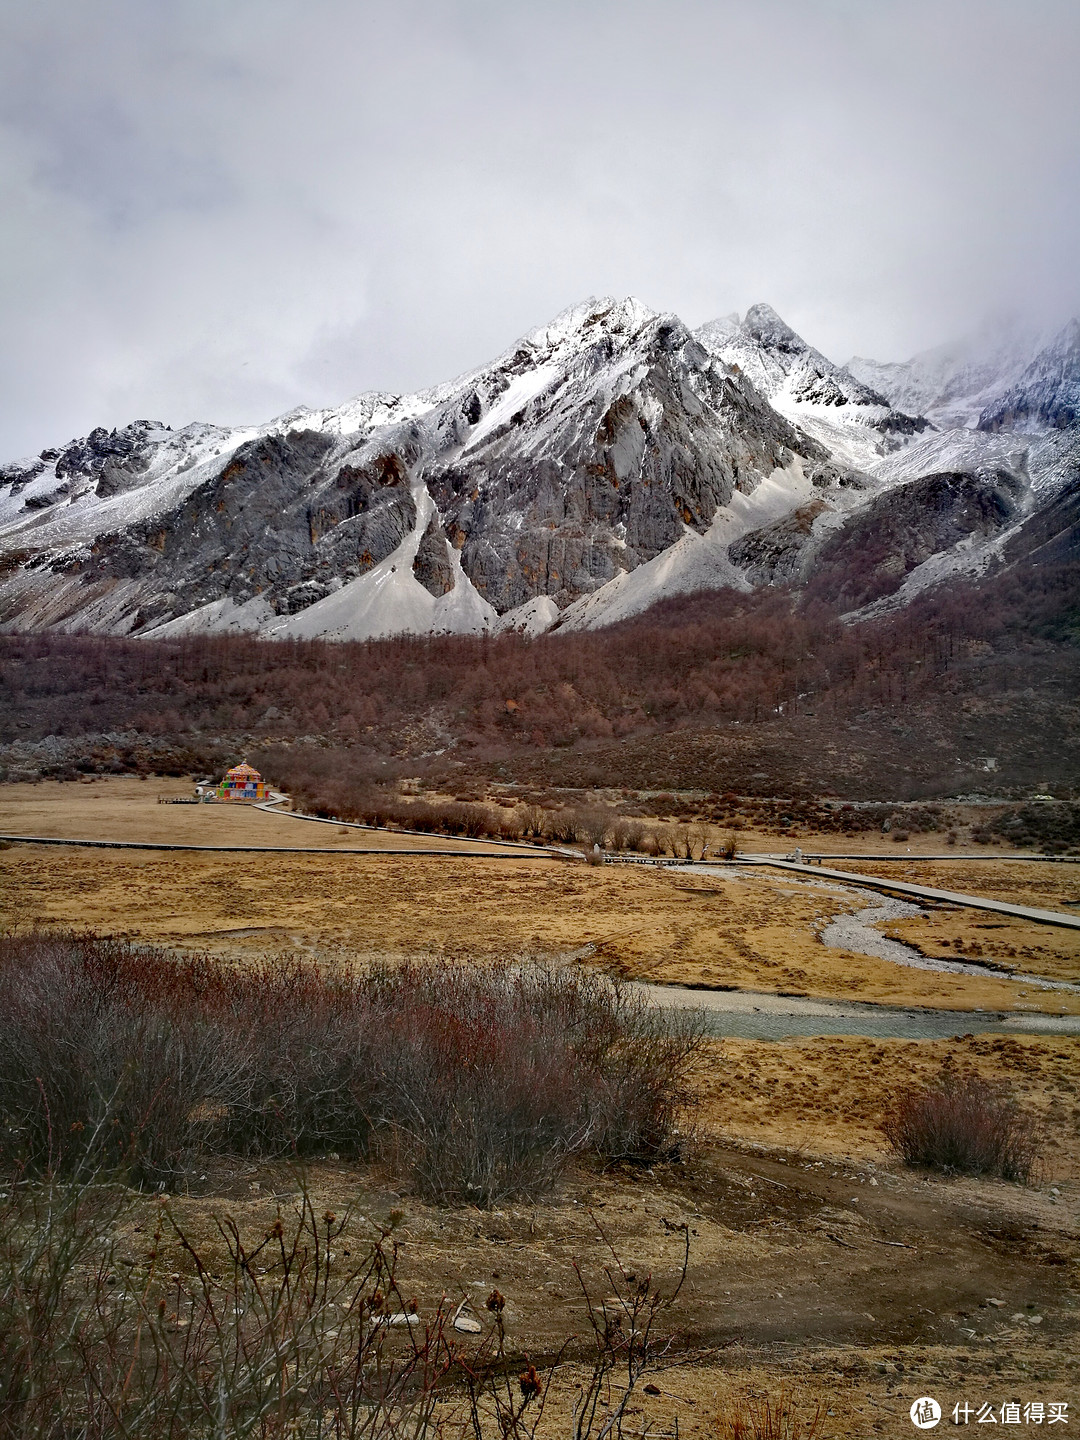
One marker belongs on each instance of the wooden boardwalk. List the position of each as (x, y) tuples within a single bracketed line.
[(416, 852), (920, 892)]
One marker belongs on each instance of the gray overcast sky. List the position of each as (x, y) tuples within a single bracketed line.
[(219, 209)]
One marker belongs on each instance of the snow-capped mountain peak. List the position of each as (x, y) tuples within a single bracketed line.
[(1046, 393), (952, 384), (781, 363), (606, 459)]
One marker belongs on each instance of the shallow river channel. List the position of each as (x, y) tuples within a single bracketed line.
[(751, 1015)]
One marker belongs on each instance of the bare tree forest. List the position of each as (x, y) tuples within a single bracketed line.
[(691, 664)]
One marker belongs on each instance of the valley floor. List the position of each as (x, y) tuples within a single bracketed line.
[(817, 1261)]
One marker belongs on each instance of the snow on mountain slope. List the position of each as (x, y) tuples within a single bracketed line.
[(779, 362), (389, 599), (851, 419), (605, 460), (952, 384), (107, 480), (582, 452), (958, 450), (695, 561), (1046, 394), (961, 503)]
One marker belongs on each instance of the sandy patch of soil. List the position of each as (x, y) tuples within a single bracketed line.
[(951, 933), (852, 1282), (1047, 885)]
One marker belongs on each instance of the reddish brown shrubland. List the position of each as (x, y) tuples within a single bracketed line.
[(701, 660), (472, 1082), (963, 1123)]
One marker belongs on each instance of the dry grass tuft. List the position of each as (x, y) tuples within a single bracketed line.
[(769, 1417)]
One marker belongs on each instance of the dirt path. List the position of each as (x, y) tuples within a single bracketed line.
[(843, 1273)]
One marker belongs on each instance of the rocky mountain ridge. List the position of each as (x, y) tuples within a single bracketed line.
[(608, 459)]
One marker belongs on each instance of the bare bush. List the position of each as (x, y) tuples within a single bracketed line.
[(290, 1335), (627, 834), (963, 1123), (90, 1064), (511, 826), (48, 1235), (594, 824), (491, 1081), (472, 1082), (564, 826), (533, 818)]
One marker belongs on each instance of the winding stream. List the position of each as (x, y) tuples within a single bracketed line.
[(856, 932)]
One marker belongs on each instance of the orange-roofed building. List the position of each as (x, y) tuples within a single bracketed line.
[(242, 783)]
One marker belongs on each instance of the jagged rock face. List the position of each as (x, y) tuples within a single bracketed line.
[(777, 553), (586, 450), (881, 544), (112, 460), (105, 463), (778, 361), (607, 466), (820, 397), (1052, 535), (431, 565), (272, 522), (1046, 395), (603, 461)]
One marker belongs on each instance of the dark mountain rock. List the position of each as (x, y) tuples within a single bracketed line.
[(605, 469), (1052, 535), (432, 564), (611, 451), (271, 523), (777, 553), (881, 544), (114, 459)]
